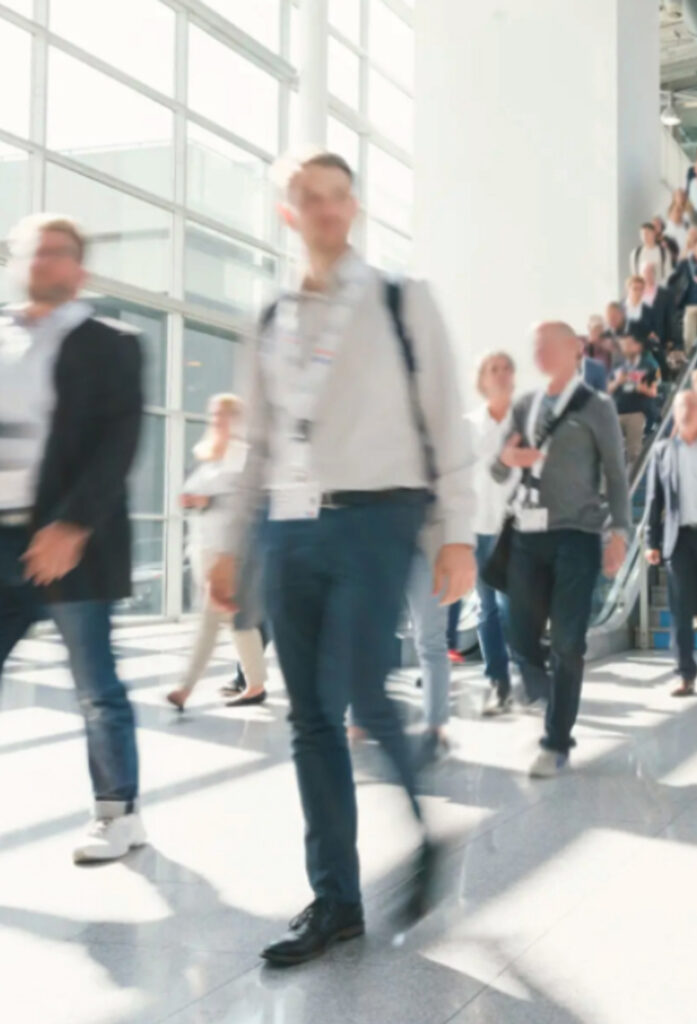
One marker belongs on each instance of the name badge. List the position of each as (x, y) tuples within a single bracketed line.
[(295, 501), (532, 520)]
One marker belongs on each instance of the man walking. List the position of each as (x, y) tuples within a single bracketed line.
[(564, 437), (70, 410), (355, 415), (672, 498)]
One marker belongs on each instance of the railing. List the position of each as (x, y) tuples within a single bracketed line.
[(631, 582)]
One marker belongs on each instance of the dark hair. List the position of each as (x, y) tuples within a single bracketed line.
[(638, 338), (330, 160), (648, 226)]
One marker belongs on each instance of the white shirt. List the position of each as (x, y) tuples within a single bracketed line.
[(487, 439), (28, 352), (650, 254), (364, 436), (678, 232), (633, 312), (687, 482), (215, 479)]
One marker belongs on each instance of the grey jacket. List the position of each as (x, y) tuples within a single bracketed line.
[(664, 498), (587, 444)]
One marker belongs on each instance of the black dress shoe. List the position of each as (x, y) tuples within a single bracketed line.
[(313, 931), (243, 702), (423, 885)]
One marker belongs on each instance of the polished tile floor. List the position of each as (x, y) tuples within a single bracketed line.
[(567, 902)]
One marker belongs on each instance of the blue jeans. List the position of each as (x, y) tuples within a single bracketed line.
[(492, 624), (85, 628), (334, 590), (551, 576), (454, 612), (429, 620)]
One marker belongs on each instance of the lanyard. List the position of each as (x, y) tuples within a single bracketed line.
[(299, 382), (532, 485)]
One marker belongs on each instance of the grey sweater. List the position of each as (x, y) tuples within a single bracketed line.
[(586, 445)]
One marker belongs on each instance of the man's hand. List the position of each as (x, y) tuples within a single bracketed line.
[(455, 572), (194, 501), (54, 552), (222, 584), (519, 458), (653, 556), (614, 555)]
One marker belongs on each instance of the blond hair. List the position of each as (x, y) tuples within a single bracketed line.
[(24, 234), (486, 360), (204, 450)]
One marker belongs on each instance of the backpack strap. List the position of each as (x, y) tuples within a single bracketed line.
[(268, 315), (393, 296), (394, 300)]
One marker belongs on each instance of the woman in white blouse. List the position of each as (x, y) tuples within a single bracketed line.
[(220, 455), (490, 424)]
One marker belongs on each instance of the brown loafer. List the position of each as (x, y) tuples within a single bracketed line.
[(686, 689)]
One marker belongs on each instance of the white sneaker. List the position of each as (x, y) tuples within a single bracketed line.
[(495, 705), (110, 838), (534, 707), (547, 764)]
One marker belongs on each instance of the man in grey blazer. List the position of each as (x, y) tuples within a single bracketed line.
[(673, 530)]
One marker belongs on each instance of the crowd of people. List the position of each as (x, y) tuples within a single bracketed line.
[(349, 483)]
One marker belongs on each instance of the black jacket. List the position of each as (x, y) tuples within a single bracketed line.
[(663, 318), (642, 327), (680, 282), (664, 498), (91, 444)]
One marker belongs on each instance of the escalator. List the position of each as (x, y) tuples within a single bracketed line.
[(631, 610)]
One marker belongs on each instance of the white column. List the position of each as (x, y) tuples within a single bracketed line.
[(313, 93), (537, 157)]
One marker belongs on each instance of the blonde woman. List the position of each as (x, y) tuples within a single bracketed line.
[(489, 425), (220, 455)]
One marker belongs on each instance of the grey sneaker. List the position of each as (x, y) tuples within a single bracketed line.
[(496, 705)]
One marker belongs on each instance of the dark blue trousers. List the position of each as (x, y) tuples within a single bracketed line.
[(552, 576), (334, 590)]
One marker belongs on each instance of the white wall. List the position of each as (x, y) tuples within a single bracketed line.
[(530, 117)]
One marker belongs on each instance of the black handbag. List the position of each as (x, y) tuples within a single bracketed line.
[(495, 572)]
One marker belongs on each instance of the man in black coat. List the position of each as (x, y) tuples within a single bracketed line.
[(672, 520), (70, 412), (683, 286)]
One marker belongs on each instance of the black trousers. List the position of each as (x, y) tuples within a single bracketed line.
[(682, 591), (551, 576)]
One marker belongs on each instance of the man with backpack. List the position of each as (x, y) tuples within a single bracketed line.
[(355, 425), (565, 438)]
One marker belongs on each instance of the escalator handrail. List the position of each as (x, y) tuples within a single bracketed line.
[(634, 551)]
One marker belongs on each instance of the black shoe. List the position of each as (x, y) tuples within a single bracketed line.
[(238, 685), (423, 886), (313, 931), (243, 702), (432, 748)]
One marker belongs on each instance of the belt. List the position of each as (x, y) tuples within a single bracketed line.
[(392, 495), (15, 517)]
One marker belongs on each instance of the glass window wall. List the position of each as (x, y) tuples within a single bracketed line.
[(162, 153)]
